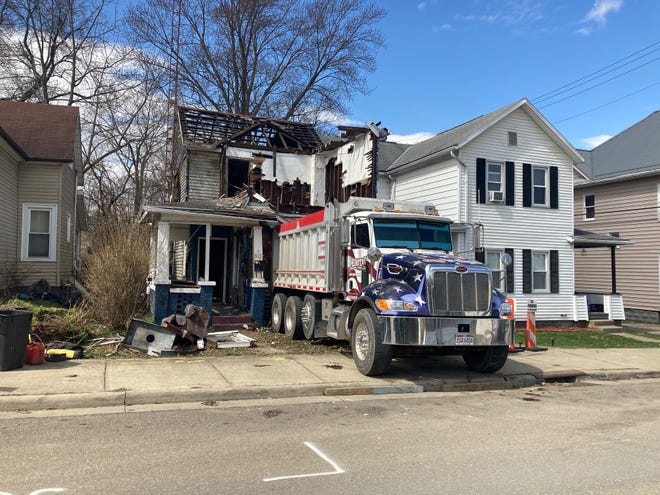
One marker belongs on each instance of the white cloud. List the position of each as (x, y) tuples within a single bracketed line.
[(592, 142), (601, 9), (442, 27), (597, 16), (422, 5), (410, 138)]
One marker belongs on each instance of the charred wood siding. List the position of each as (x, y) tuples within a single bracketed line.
[(283, 197), (335, 188)]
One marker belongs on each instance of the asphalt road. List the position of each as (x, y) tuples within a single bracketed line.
[(558, 439)]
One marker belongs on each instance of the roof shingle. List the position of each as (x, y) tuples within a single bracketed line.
[(43, 132)]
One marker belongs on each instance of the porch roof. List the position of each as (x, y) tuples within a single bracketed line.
[(586, 239), (218, 212)]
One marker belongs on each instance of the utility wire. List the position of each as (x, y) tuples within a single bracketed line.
[(606, 104), (548, 94), (599, 84)]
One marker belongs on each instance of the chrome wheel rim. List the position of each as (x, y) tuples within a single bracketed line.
[(361, 342)]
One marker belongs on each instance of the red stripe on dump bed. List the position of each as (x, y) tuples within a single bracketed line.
[(305, 221)]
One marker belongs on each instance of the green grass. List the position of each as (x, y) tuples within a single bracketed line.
[(52, 322), (584, 340)]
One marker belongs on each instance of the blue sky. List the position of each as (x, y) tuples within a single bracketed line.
[(448, 61)]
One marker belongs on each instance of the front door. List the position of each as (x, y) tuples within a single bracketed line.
[(217, 265)]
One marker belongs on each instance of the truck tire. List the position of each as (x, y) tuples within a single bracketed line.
[(488, 360), (371, 356), (309, 315), (277, 312), (292, 322)]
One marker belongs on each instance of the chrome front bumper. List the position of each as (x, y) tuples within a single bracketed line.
[(397, 330)]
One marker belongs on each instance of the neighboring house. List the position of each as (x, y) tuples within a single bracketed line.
[(238, 177), (511, 171), (41, 212), (620, 196)]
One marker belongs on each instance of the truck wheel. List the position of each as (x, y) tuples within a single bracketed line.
[(292, 322), (489, 360), (308, 315), (371, 356), (277, 312)]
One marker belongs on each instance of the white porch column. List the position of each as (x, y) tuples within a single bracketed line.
[(257, 257), (162, 275), (207, 258)]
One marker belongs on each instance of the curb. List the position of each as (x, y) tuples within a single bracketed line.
[(61, 401), (9, 403)]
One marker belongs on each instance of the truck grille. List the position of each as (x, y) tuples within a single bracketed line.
[(460, 294)]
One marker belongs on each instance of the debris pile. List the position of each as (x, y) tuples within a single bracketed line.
[(180, 333)]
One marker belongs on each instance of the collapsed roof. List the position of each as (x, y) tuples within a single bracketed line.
[(221, 128)]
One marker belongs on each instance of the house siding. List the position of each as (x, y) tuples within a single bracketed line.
[(204, 179), (40, 184), (8, 215), (435, 183), (629, 208), (517, 227), (66, 222)]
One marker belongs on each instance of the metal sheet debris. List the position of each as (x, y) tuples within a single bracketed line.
[(150, 338), (232, 338)]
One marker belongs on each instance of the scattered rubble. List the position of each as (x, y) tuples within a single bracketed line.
[(180, 333)]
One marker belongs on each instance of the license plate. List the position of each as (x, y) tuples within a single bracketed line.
[(464, 339)]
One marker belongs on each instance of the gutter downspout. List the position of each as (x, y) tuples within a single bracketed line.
[(454, 153)]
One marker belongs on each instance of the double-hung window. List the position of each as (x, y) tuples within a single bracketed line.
[(493, 261), (540, 271), (495, 182), (540, 182), (589, 206), (38, 242)]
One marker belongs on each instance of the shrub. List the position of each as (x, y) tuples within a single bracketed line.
[(116, 269)]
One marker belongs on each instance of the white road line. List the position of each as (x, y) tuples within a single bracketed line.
[(337, 469)]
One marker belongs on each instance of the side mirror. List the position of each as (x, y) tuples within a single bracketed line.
[(344, 232), (478, 237), (374, 255), (506, 259)]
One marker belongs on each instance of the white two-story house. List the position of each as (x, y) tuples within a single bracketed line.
[(512, 172)]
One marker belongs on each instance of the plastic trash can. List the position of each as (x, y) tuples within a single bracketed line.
[(14, 329)]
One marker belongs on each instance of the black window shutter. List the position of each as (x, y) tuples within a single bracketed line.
[(481, 180), (527, 271), (554, 187), (510, 183), (554, 272), (509, 272), (480, 256), (527, 184)]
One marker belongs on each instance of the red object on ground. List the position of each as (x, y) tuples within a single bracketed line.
[(35, 353)]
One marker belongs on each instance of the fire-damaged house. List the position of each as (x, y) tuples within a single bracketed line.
[(237, 178)]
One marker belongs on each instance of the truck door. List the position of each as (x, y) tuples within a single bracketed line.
[(356, 262)]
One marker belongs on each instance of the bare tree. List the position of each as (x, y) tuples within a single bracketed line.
[(291, 59), (50, 49), (62, 52)]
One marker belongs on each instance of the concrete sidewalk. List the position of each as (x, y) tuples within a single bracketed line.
[(96, 383)]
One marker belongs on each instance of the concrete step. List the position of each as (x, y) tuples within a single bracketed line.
[(601, 323)]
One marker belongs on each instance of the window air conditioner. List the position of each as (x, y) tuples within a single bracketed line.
[(495, 196)]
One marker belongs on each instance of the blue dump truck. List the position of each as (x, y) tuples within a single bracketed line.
[(381, 274)]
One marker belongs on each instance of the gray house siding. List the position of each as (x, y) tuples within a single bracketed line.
[(8, 214), (39, 184), (629, 208)]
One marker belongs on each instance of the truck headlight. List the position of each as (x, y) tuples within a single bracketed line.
[(396, 305)]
